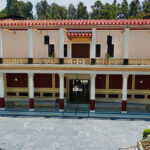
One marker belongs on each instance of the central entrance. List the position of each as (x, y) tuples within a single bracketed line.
[(80, 50), (79, 91)]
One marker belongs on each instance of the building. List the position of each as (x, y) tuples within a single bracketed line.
[(81, 61)]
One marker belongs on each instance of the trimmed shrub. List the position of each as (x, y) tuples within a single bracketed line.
[(146, 132)]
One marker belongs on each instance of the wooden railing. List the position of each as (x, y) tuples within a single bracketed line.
[(45, 60), (109, 62), (79, 61), (139, 61), (15, 60)]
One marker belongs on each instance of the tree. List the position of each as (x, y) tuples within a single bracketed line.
[(58, 12), (124, 10), (146, 6), (96, 10), (82, 12), (135, 8), (42, 9), (72, 12), (13, 8)]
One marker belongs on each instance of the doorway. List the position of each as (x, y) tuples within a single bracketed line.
[(79, 91), (80, 50)]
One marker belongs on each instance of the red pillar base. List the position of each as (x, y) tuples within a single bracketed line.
[(31, 103), (2, 103), (61, 104), (124, 106), (92, 105)]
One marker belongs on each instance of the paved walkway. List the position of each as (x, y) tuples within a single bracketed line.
[(40, 133)]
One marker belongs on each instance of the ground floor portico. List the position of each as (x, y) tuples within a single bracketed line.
[(90, 91)]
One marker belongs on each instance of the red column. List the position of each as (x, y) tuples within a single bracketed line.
[(124, 105), (61, 104), (92, 105), (31, 103), (2, 102)]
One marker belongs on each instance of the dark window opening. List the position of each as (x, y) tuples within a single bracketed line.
[(98, 50), (23, 94), (47, 94), (139, 96), (51, 50), (113, 96), (65, 50)]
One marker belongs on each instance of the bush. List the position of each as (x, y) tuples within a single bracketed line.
[(146, 132)]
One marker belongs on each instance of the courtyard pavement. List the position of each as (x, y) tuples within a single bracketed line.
[(44, 133)]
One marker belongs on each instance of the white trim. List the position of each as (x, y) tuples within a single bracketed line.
[(92, 90), (31, 110), (1, 44), (126, 46), (93, 47), (124, 87), (31, 85), (92, 111), (61, 42), (2, 90), (61, 110), (61, 85), (124, 112)]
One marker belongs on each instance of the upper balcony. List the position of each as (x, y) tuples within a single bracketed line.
[(76, 61)]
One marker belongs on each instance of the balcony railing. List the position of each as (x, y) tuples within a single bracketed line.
[(79, 61), (86, 61)]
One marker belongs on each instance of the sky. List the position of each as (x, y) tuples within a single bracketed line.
[(88, 3)]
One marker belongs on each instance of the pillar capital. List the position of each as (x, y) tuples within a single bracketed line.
[(30, 74), (125, 75), (61, 75), (93, 75)]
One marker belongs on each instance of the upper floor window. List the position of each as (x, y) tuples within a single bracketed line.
[(98, 50), (51, 50), (111, 50), (65, 50)]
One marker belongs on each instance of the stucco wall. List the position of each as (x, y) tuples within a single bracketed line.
[(16, 45), (40, 50), (117, 40), (139, 45)]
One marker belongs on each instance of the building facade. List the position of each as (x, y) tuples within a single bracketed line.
[(79, 61)]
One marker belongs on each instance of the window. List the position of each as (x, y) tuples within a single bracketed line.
[(98, 50), (65, 50), (51, 50), (111, 50)]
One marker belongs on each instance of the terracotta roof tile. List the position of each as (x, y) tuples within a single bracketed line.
[(10, 22)]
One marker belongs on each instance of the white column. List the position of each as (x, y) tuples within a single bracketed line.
[(61, 42), (31, 91), (126, 47), (124, 93), (30, 47), (93, 42), (1, 46), (92, 93), (61, 91), (2, 92)]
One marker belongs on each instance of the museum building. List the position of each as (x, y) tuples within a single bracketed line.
[(74, 61)]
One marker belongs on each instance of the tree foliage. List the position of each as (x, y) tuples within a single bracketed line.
[(99, 10)]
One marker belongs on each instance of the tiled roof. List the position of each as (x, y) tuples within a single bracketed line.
[(79, 34), (10, 22)]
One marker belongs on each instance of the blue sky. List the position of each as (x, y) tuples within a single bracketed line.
[(88, 3)]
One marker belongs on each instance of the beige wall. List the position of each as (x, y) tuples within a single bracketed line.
[(40, 50), (16, 45), (117, 40), (139, 45)]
